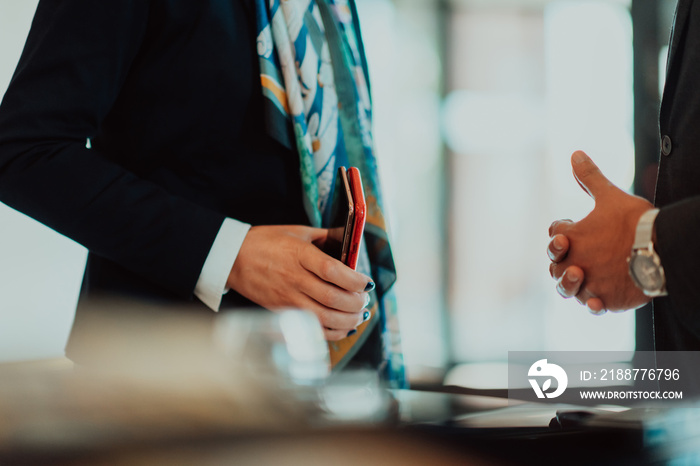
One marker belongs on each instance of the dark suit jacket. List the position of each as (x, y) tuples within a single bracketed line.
[(677, 317), (168, 92)]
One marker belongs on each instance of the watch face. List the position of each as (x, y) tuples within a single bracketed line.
[(647, 272)]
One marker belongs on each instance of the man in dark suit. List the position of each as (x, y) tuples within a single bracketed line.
[(627, 251), (136, 128)]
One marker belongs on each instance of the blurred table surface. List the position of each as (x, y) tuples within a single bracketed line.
[(51, 413)]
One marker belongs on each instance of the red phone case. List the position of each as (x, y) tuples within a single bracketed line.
[(358, 197)]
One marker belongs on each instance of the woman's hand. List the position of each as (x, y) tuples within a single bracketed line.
[(282, 267)]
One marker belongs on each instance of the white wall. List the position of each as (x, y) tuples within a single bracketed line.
[(40, 271), (406, 106)]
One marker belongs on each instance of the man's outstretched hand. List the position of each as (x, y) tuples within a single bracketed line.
[(281, 267), (589, 257)]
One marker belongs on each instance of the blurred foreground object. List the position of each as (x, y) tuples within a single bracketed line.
[(144, 375), (286, 347), (168, 386)]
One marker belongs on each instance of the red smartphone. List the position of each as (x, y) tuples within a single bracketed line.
[(342, 218), (360, 209)]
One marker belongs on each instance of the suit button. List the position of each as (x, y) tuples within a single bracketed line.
[(666, 145)]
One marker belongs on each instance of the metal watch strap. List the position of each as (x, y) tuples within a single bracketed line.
[(644, 246), (645, 228)]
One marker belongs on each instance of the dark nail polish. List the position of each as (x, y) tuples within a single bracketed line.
[(365, 316), (352, 332), (370, 286)]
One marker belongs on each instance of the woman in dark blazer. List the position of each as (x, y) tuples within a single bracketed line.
[(136, 128)]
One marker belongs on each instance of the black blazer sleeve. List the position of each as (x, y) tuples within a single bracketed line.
[(76, 59)]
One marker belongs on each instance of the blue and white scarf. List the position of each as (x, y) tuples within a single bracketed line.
[(315, 83)]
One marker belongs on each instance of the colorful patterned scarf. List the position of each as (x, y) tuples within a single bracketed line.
[(315, 83)]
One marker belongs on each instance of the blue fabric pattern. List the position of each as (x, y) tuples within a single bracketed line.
[(314, 79)]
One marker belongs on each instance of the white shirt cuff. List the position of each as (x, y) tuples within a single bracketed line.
[(211, 285)]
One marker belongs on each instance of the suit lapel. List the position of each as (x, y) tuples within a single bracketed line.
[(680, 22)]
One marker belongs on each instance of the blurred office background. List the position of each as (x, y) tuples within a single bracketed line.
[(478, 107)]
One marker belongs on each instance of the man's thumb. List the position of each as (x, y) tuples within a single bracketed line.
[(588, 175)]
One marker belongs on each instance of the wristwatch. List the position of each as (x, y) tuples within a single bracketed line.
[(644, 263)]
